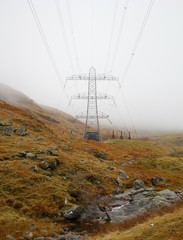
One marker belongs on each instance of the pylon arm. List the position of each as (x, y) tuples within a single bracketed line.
[(78, 77), (106, 77), (103, 77), (99, 77), (84, 116), (99, 96)]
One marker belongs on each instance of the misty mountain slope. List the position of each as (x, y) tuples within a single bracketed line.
[(16, 98), (68, 122), (65, 122)]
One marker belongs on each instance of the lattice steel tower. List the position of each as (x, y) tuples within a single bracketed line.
[(92, 116)]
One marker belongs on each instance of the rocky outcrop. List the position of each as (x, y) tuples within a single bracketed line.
[(56, 236), (100, 155), (123, 174), (52, 164), (21, 131), (10, 131), (73, 213), (156, 180), (129, 204), (93, 179), (138, 184)]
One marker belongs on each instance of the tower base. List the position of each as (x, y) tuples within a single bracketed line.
[(95, 136)]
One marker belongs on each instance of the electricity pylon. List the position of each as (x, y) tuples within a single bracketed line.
[(92, 115)]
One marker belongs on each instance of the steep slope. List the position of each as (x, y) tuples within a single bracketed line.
[(16, 98), (69, 124), (65, 123)]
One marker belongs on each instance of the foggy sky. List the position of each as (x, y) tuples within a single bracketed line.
[(151, 97)]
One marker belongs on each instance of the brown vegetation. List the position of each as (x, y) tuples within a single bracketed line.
[(31, 197)]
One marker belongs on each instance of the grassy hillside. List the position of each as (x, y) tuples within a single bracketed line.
[(45, 169)]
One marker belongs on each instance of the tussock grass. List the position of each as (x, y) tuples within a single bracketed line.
[(29, 197)]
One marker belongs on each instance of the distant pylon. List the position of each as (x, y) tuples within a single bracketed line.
[(129, 136), (92, 130), (92, 116), (121, 135)]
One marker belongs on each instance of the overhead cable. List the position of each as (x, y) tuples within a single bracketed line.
[(39, 26), (119, 34), (62, 27), (128, 112), (139, 36), (111, 36), (73, 37)]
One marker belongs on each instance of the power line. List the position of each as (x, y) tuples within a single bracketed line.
[(72, 34), (92, 30), (61, 23), (139, 36), (119, 34), (34, 13), (111, 36), (121, 117), (128, 111)]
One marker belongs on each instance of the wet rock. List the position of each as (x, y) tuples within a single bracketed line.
[(138, 184), (21, 131), (116, 190), (53, 164), (49, 172), (39, 238), (118, 182), (127, 205), (51, 151), (169, 195), (30, 155), (9, 131), (123, 164), (156, 180), (44, 165), (110, 167), (69, 236), (22, 154), (93, 179), (123, 174), (73, 213), (30, 182), (27, 235), (35, 169), (158, 202), (46, 152), (100, 155), (123, 196)]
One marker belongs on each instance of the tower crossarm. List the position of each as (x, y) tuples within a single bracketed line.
[(100, 77), (77, 77), (106, 77), (101, 115), (100, 96), (83, 115)]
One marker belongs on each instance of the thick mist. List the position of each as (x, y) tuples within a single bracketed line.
[(150, 97)]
